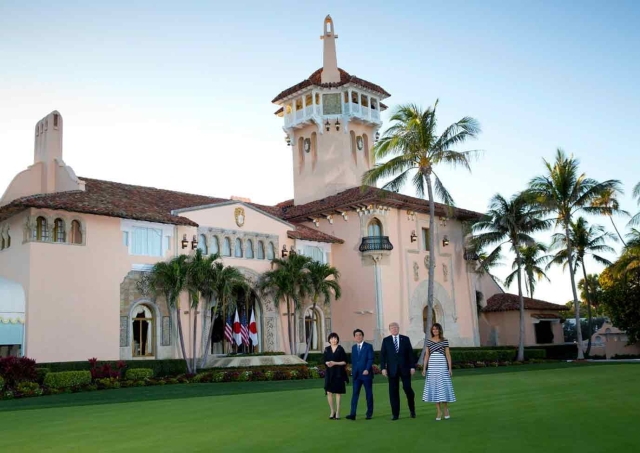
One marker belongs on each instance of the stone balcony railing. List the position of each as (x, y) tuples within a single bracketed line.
[(375, 244)]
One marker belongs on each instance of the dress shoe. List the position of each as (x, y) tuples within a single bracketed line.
[(394, 418), (369, 417), (413, 414), (350, 417)]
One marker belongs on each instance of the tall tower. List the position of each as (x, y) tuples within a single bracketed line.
[(330, 121)]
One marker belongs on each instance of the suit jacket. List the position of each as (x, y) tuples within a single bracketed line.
[(361, 361), (399, 363)]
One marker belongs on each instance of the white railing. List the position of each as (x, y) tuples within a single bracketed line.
[(375, 114), (299, 114), (355, 108), (308, 111), (288, 119)]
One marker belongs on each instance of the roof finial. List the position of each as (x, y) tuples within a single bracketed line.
[(330, 73)]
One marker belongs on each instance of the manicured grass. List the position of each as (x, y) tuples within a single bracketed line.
[(561, 408)]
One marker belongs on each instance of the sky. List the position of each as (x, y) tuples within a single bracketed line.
[(176, 95)]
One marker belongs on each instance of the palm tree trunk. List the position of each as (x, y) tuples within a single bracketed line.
[(313, 321), (520, 357), (205, 353), (289, 327), (181, 337), (195, 331), (573, 289), (590, 319), (619, 235), (432, 253)]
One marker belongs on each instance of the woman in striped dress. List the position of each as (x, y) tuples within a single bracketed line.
[(438, 387)]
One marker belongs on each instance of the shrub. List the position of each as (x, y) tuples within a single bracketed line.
[(17, 369), (41, 373), (161, 368), (27, 389), (538, 354), (67, 379), (108, 383), (1, 383), (137, 374)]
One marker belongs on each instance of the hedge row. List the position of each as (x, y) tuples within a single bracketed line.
[(458, 355), (167, 367), (67, 379)]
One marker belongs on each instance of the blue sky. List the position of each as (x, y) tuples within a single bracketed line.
[(177, 95)]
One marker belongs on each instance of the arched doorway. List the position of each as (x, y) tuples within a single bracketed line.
[(143, 332), (223, 340), (313, 329), (425, 311)]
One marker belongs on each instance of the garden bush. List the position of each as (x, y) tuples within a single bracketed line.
[(168, 367), (1, 383), (136, 374), (67, 379), (41, 373), (26, 389), (17, 369)]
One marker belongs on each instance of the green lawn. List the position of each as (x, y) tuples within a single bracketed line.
[(560, 407)]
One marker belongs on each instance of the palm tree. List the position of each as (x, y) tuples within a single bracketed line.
[(226, 281), (630, 258), (511, 222), (323, 281), (585, 240), (564, 191), (289, 281), (532, 264), (592, 286), (419, 149), (169, 279), (635, 220), (610, 205)]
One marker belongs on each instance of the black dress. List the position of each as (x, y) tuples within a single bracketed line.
[(335, 378)]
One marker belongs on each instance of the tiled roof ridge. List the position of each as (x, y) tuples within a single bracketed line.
[(511, 302), (315, 79)]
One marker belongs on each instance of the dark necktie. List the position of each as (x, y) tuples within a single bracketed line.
[(395, 342), (359, 348)]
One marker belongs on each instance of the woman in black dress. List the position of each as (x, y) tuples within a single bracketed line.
[(335, 376)]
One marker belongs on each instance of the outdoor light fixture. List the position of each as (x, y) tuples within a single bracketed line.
[(327, 125), (194, 243), (185, 243), (414, 236), (377, 136), (284, 251), (337, 125), (287, 139), (445, 241)]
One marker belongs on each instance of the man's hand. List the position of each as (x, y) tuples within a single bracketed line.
[(424, 373), (365, 373), (384, 373), (450, 374), (413, 370)]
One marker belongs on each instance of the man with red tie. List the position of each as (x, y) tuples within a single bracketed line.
[(398, 362)]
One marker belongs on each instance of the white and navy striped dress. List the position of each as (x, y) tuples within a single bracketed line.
[(438, 387)]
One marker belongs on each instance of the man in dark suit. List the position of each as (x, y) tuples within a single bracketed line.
[(398, 361), (362, 373)]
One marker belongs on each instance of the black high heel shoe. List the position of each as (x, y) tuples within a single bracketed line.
[(333, 417)]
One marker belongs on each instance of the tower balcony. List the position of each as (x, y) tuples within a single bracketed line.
[(375, 244), (302, 115)]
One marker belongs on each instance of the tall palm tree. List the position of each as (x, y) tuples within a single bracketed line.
[(511, 222), (289, 282), (592, 286), (169, 279), (564, 191), (610, 205), (418, 149), (630, 258), (585, 240), (532, 264), (226, 281), (323, 281)]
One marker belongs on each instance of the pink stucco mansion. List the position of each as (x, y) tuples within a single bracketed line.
[(73, 248)]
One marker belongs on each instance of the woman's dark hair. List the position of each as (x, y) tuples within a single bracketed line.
[(333, 335), (440, 331), (356, 331)]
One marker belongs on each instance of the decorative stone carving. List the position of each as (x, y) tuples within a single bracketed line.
[(445, 272), (416, 275), (239, 215), (166, 331), (124, 331), (270, 334)]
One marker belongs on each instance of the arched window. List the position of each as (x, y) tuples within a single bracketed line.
[(271, 251), (354, 98), (424, 319), (215, 247), (202, 244), (41, 232), (260, 251), (312, 329), (238, 248), (143, 332), (76, 233), (2, 247), (249, 251), (375, 228), (226, 247), (59, 233)]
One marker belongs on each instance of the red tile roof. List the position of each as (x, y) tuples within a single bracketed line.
[(309, 234), (315, 80), (365, 196), (546, 316), (115, 200), (511, 302)]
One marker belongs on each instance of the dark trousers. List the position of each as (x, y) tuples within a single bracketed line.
[(368, 390), (394, 393)]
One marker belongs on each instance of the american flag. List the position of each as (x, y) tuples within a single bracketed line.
[(244, 332), (228, 332)]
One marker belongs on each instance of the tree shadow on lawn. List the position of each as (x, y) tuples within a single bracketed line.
[(181, 391)]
